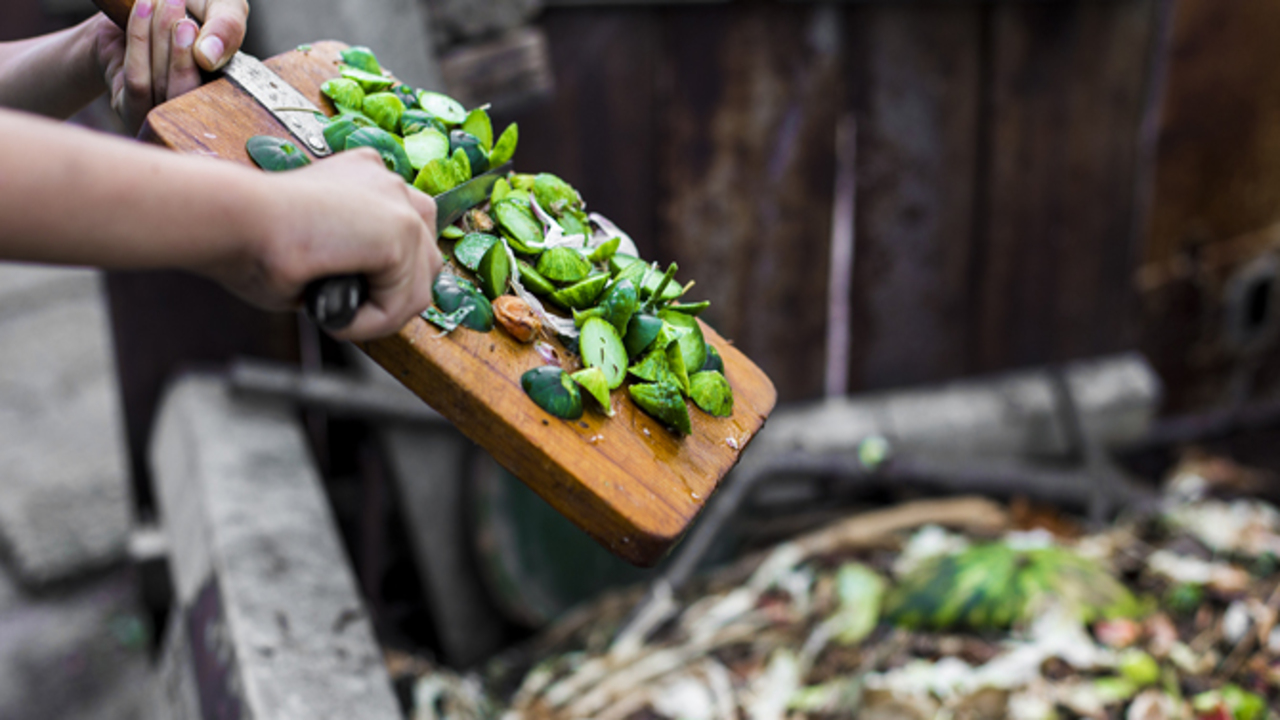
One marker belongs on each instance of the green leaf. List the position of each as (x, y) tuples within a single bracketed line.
[(452, 232), (275, 154), (861, 591), (995, 586), (505, 148), (479, 126)]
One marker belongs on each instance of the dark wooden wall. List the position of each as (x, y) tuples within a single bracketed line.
[(1216, 201), (998, 162)]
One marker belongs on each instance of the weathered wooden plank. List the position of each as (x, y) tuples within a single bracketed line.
[(1067, 84), (1218, 169), (749, 94), (1216, 200), (916, 78)]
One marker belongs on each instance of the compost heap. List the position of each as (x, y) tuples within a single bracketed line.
[(951, 608)]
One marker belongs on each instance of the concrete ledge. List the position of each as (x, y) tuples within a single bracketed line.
[(274, 627), (1013, 415)]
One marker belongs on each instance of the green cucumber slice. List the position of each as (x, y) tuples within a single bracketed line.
[(494, 271), (471, 248), (601, 347), (593, 380), (692, 343), (532, 281), (711, 392), (642, 330), (663, 402), (563, 265), (443, 107), (581, 296), (553, 390)]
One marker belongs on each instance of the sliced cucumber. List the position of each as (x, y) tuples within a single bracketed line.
[(601, 347)]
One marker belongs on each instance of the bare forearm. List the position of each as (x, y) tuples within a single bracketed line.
[(76, 197), (53, 75)]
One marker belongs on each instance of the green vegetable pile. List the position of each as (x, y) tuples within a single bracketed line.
[(428, 138), (534, 241), (532, 245)]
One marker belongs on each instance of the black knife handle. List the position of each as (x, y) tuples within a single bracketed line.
[(332, 302)]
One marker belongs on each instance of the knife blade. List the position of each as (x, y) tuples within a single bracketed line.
[(289, 107), (451, 204)]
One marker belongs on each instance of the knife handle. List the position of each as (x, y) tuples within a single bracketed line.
[(117, 10), (332, 302)]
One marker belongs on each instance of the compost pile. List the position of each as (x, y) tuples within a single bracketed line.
[(952, 608)]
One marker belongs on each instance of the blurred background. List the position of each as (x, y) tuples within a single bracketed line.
[(1040, 234)]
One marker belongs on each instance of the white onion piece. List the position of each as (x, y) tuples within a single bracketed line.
[(553, 234), (607, 231)]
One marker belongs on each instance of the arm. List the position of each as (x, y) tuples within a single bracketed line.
[(53, 75), (72, 196), (57, 74)]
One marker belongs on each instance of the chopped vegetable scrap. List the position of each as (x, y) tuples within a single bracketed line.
[(887, 614), (534, 252)]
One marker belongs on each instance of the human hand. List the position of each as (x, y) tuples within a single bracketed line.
[(344, 215), (158, 56)]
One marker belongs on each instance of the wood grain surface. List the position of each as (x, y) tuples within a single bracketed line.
[(625, 480)]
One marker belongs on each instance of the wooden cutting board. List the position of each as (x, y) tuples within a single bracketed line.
[(627, 481)]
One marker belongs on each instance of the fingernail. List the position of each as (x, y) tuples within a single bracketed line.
[(211, 48), (143, 9), (184, 34)]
